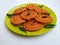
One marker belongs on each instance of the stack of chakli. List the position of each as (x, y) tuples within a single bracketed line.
[(32, 17)]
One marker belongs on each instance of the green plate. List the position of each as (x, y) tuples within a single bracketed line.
[(16, 30)]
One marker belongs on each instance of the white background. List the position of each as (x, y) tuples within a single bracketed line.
[(8, 38)]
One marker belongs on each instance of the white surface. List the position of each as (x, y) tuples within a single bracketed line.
[(8, 38)]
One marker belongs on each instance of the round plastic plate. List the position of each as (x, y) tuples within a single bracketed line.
[(16, 29)]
